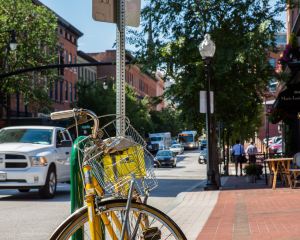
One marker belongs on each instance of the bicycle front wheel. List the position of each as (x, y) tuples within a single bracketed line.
[(144, 222)]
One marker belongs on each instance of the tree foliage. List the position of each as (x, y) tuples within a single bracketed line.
[(244, 33), (35, 28), (145, 120)]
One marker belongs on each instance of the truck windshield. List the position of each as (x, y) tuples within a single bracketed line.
[(36, 136), (156, 139)]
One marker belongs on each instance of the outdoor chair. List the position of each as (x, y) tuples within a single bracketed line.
[(295, 170)]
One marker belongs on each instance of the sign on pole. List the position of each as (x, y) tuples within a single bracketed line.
[(106, 11), (203, 102)]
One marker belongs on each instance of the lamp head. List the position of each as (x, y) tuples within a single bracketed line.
[(207, 47), (105, 86), (13, 42)]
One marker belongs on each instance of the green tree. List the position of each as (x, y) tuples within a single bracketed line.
[(167, 120), (93, 96), (243, 31), (35, 29)]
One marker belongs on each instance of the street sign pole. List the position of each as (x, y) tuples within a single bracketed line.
[(120, 71)]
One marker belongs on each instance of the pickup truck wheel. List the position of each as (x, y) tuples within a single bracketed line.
[(49, 189), (24, 190)]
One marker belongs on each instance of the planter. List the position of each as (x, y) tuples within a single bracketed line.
[(250, 178)]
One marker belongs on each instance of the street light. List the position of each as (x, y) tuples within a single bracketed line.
[(13, 42), (105, 86), (207, 50), (11, 45)]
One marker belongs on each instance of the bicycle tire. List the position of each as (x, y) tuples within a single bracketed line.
[(79, 218)]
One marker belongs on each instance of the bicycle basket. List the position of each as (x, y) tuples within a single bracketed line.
[(123, 158)]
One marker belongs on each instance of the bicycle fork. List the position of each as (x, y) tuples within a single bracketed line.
[(96, 228), (94, 221)]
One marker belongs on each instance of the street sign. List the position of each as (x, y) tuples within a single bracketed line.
[(106, 11), (203, 102)]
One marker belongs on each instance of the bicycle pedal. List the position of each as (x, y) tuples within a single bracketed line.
[(151, 234)]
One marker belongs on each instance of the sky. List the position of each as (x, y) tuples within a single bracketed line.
[(97, 36)]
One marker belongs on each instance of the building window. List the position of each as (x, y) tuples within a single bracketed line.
[(131, 79), (66, 56), (71, 92), (67, 91), (61, 31), (141, 85), (70, 58), (75, 93), (61, 91), (51, 91), (56, 90)]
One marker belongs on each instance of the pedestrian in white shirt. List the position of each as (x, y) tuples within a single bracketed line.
[(252, 151)]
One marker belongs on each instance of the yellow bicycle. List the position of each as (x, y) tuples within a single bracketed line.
[(117, 174)]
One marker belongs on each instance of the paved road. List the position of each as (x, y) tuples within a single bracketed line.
[(25, 216)]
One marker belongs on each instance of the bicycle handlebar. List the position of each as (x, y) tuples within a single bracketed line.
[(62, 114), (77, 112)]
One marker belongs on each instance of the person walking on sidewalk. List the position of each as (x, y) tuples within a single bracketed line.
[(238, 153), (252, 151)]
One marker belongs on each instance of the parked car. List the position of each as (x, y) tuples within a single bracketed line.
[(276, 147), (34, 157), (272, 140), (177, 148), (165, 158), (203, 144), (202, 159)]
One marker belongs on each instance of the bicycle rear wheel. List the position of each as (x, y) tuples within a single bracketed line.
[(153, 223)]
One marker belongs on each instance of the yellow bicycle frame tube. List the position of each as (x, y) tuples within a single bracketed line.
[(94, 220)]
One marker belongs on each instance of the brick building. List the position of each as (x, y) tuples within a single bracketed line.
[(143, 83), (62, 93), (88, 73)]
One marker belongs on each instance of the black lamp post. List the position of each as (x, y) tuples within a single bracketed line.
[(10, 46), (207, 50)]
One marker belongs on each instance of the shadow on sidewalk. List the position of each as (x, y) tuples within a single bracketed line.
[(240, 182)]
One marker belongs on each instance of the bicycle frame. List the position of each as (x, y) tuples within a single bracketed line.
[(92, 187)]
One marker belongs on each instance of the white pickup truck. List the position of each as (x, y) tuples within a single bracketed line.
[(34, 157)]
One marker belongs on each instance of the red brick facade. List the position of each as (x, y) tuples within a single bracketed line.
[(64, 91)]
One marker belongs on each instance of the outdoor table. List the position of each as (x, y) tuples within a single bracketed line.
[(281, 165)]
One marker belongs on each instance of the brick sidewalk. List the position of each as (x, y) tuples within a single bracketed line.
[(253, 211)]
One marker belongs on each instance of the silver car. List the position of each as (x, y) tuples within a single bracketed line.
[(177, 148)]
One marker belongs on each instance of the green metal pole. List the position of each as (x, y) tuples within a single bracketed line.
[(76, 189)]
